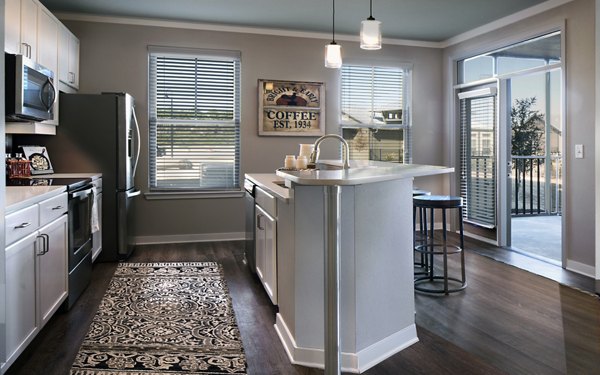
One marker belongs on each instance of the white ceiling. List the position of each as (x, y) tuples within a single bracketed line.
[(422, 20)]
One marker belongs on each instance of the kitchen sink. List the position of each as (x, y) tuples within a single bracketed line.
[(280, 183), (354, 164)]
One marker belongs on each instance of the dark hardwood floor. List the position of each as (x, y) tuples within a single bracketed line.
[(506, 321)]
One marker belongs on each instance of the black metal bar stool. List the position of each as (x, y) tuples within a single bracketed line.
[(421, 237), (431, 247)]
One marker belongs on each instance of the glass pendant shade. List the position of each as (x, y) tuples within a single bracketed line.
[(370, 34), (333, 55)]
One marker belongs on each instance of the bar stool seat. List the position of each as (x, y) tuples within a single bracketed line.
[(428, 283)]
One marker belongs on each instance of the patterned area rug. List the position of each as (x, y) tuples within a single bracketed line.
[(163, 318)]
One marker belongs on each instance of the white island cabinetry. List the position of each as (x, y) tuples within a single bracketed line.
[(376, 291)]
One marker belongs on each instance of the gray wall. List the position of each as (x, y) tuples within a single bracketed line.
[(114, 57), (579, 127)]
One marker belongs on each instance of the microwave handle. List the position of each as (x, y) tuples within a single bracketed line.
[(51, 103)]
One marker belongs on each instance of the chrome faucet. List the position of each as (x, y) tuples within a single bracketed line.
[(314, 155)]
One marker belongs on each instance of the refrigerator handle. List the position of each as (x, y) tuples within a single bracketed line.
[(133, 194), (137, 142)]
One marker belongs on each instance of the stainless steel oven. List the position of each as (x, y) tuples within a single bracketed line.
[(81, 199)]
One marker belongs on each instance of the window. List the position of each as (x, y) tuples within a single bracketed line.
[(537, 52), (374, 112), (194, 106)]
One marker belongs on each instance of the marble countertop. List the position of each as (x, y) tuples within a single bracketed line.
[(270, 182), (18, 197), (360, 172)]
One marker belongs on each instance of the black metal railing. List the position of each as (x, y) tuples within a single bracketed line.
[(533, 192)]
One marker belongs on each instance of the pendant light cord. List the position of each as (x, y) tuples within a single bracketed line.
[(333, 22), (370, 10)]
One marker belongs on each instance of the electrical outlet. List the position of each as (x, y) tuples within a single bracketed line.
[(578, 151)]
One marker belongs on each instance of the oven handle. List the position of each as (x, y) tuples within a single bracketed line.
[(81, 194)]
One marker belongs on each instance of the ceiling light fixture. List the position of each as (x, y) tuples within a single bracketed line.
[(370, 32), (333, 51)]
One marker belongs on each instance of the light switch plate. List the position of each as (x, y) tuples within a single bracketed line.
[(579, 151)]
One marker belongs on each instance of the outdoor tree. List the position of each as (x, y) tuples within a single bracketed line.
[(527, 127), (527, 131)]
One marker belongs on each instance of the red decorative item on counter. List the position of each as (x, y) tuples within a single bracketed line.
[(18, 167)]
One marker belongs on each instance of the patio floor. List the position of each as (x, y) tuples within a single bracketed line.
[(538, 236)]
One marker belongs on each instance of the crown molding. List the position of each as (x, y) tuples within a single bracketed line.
[(495, 25), (505, 21), (232, 29)]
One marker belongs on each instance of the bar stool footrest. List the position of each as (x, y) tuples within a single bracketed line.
[(437, 280)]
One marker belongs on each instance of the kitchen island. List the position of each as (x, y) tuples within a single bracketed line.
[(376, 300)]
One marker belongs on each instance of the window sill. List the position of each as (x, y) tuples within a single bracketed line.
[(162, 195)]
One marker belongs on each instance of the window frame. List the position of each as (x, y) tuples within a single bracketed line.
[(173, 192)]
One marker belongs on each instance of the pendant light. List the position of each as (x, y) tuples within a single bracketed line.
[(370, 32), (333, 51)]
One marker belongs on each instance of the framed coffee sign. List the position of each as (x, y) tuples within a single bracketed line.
[(291, 108)]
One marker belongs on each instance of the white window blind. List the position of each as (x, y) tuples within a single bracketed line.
[(374, 112), (194, 106), (478, 159), (372, 95)]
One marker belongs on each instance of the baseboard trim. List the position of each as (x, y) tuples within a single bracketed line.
[(184, 238), (355, 363), (582, 269)]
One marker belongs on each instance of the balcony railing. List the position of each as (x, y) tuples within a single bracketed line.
[(532, 192)]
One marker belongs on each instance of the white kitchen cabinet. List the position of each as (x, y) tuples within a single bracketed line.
[(36, 270), (21, 317), (53, 269), (47, 37), (68, 55), (29, 28), (12, 31), (266, 251)]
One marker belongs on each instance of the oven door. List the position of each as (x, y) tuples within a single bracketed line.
[(80, 228)]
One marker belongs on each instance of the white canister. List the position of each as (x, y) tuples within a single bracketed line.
[(290, 162), (301, 162), (306, 149)]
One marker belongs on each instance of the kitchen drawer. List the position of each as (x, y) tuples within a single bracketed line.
[(266, 201), (53, 208), (21, 223)]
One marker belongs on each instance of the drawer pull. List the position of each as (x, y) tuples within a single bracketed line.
[(23, 225), (57, 207)]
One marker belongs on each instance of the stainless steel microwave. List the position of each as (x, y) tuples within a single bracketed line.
[(30, 91)]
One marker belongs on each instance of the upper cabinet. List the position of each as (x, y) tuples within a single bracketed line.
[(34, 32), (68, 55)]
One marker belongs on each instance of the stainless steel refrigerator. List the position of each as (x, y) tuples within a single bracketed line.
[(99, 132)]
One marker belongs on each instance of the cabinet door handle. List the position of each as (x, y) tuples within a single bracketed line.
[(46, 242), (258, 222), (22, 225), (40, 252), (71, 77), (57, 207)]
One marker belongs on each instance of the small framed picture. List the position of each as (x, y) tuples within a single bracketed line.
[(290, 108), (40, 161)]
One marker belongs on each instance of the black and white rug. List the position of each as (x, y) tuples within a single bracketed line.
[(163, 318)]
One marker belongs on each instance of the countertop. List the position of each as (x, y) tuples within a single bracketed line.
[(360, 172), (269, 182), (93, 176), (18, 197)]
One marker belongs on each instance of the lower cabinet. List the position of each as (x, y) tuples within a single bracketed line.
[(52, 269), (21, 317), (266, 251), (36, 271)]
